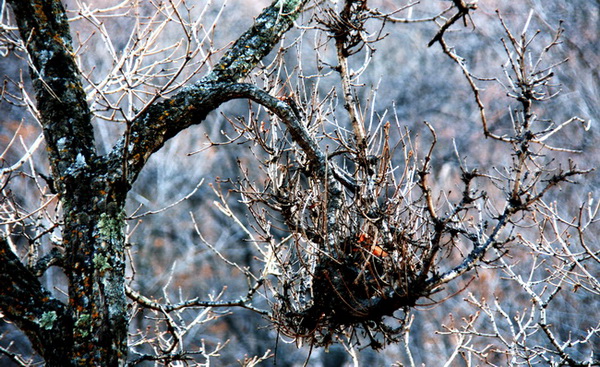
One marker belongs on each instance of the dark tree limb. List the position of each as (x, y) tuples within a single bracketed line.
[(46, 321), (463, 11), (163, 120), (54, 258), (92, 189), (257, 42), (65, 115)]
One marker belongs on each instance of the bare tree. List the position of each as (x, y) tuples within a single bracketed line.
[(351, 226)]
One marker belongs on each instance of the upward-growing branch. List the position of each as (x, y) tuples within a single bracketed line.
[(65, 115), (257, 42)]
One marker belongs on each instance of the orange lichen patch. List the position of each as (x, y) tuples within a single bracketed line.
[(39, 13), (363, 238), (285, 98), (58, 39)]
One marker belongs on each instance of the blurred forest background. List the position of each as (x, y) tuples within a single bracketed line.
[(188, 227)]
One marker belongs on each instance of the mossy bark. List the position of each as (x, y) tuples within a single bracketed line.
[(92, 328)]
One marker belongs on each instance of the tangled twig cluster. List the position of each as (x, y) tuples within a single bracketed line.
[(350, 274)]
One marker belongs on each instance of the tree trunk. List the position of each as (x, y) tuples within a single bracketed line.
[(92, 329), (95, 267)]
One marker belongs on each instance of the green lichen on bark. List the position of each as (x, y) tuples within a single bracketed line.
[(83, 325), (92, 328), (65, 115), (111, 226), (258, 41), (191, 105), (101, 262), (47, 320)]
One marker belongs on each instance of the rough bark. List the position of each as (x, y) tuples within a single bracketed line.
[(45, 320), (92, 328), (161, 121)]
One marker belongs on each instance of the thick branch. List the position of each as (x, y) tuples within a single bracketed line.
[(65, 115), (257, 42), (162, 121), (24, 301)]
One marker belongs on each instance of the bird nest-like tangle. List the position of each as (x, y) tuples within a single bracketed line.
[(357, 249), (361, 290)]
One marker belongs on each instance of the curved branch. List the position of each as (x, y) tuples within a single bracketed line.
[(298, 131), (320, 167), (163, 120)]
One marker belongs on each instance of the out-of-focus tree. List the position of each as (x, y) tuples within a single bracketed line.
[(335, 218)]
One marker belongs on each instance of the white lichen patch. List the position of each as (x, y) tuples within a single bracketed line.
[(61, 143), (80, 160)]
